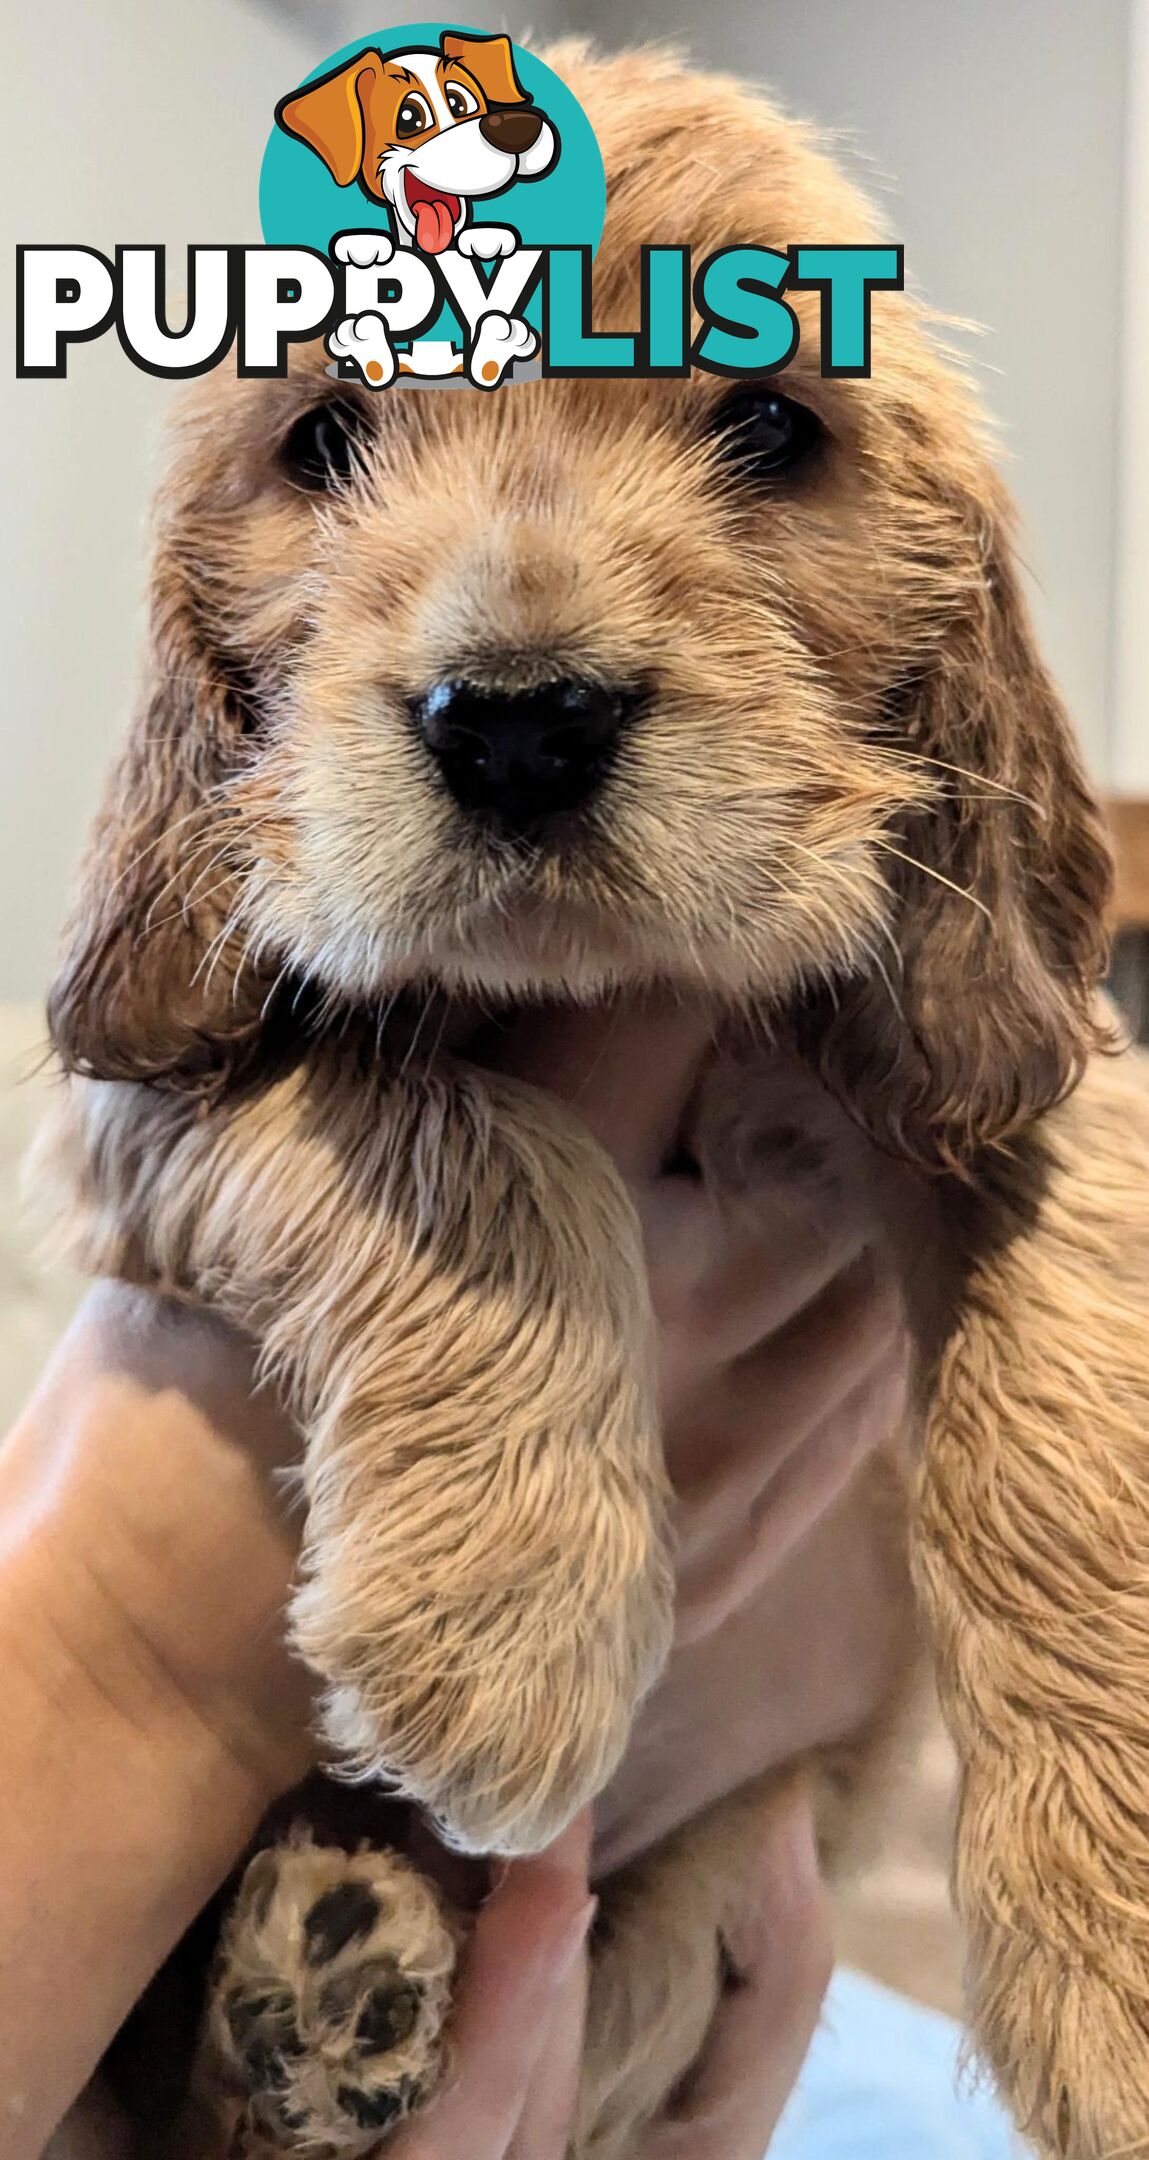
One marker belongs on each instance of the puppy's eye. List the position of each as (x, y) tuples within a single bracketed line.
[(322, 448), (460, 101), (761, 433), (412, 117)]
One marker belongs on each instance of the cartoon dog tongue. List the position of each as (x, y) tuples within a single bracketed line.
[(435, 211), (433, 225)]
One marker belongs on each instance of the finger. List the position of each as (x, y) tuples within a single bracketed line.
[(781, 1947), (722, 1283), (768, 1402), (528, 1936), (627, 1068), (547, 2120), (810, 1482), (715, 1584)]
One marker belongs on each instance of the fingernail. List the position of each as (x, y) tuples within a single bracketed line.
[(786, 1869), (572, 1950), (798, 1844)]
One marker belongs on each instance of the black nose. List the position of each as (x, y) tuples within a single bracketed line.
[(523, 756), (514, 131)]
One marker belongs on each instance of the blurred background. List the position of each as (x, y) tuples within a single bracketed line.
[(1008, 141)]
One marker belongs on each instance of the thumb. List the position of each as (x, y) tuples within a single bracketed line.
[(781, 1954)]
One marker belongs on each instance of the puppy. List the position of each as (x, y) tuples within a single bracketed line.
[(738, 695), (426, 133)]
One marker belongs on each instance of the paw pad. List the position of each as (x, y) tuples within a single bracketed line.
[(332, 1991), (389, 2014), (372, 2111), (341, 1916)]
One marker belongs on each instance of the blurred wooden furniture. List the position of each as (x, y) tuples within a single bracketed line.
[(1129, 821)]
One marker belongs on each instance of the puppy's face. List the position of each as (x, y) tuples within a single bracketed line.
[(587, 685), (555, 695)]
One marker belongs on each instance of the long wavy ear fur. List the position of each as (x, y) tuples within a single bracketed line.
[(152, 985), (1000, 897)]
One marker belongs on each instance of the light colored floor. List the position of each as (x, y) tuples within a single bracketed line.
[(894, 1919)]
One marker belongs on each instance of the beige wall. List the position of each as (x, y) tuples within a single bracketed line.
[(152, 113), (1130, 761)]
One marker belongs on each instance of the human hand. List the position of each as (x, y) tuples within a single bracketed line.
[(518, 2023), (150, 1707), (144, 1524)]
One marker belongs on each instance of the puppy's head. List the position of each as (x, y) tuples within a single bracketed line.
[(425, 131), (587, 685)]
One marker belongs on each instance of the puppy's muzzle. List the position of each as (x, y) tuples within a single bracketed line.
[(519, 758), (513, 132)]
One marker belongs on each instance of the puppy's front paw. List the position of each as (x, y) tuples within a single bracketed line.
[(329, 1999), (485, 1582), (364, 250), (494, 1683)]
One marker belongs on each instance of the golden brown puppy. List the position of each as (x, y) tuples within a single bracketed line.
[(540, 694)]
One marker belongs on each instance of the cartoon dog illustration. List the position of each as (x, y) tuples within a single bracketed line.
[(426, 132)]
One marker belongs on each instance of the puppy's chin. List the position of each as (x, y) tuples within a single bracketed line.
[(569, 954), (574, 923), (578, 956), (568, 962), (583, 929)]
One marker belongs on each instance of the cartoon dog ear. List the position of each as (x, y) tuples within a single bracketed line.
[(491, 61), (1000, 896), (329, 116), (155, 983)]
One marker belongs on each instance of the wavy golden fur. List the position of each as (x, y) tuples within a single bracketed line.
[(852, 812)]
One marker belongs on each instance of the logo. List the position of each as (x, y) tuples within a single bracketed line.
[(434, 168), (432, 199)]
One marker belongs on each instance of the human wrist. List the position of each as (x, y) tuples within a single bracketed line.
[(80, 1672), (124, 1812), (138, 1514)]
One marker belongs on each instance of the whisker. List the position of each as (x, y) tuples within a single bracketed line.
[(414, 1042), (181, 913), (996, 787), (269, 1000), (927, 871)]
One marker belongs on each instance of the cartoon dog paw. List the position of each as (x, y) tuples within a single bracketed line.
[(499, 340), (487, 241), (364, 340), (364, 250)]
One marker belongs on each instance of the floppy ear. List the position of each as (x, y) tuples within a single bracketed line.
[(328, 115), (1000, 898), (491, 61), (153, 984)]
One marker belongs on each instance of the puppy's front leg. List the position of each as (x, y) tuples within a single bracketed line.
[(447, 1280), (1033, 1554)]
